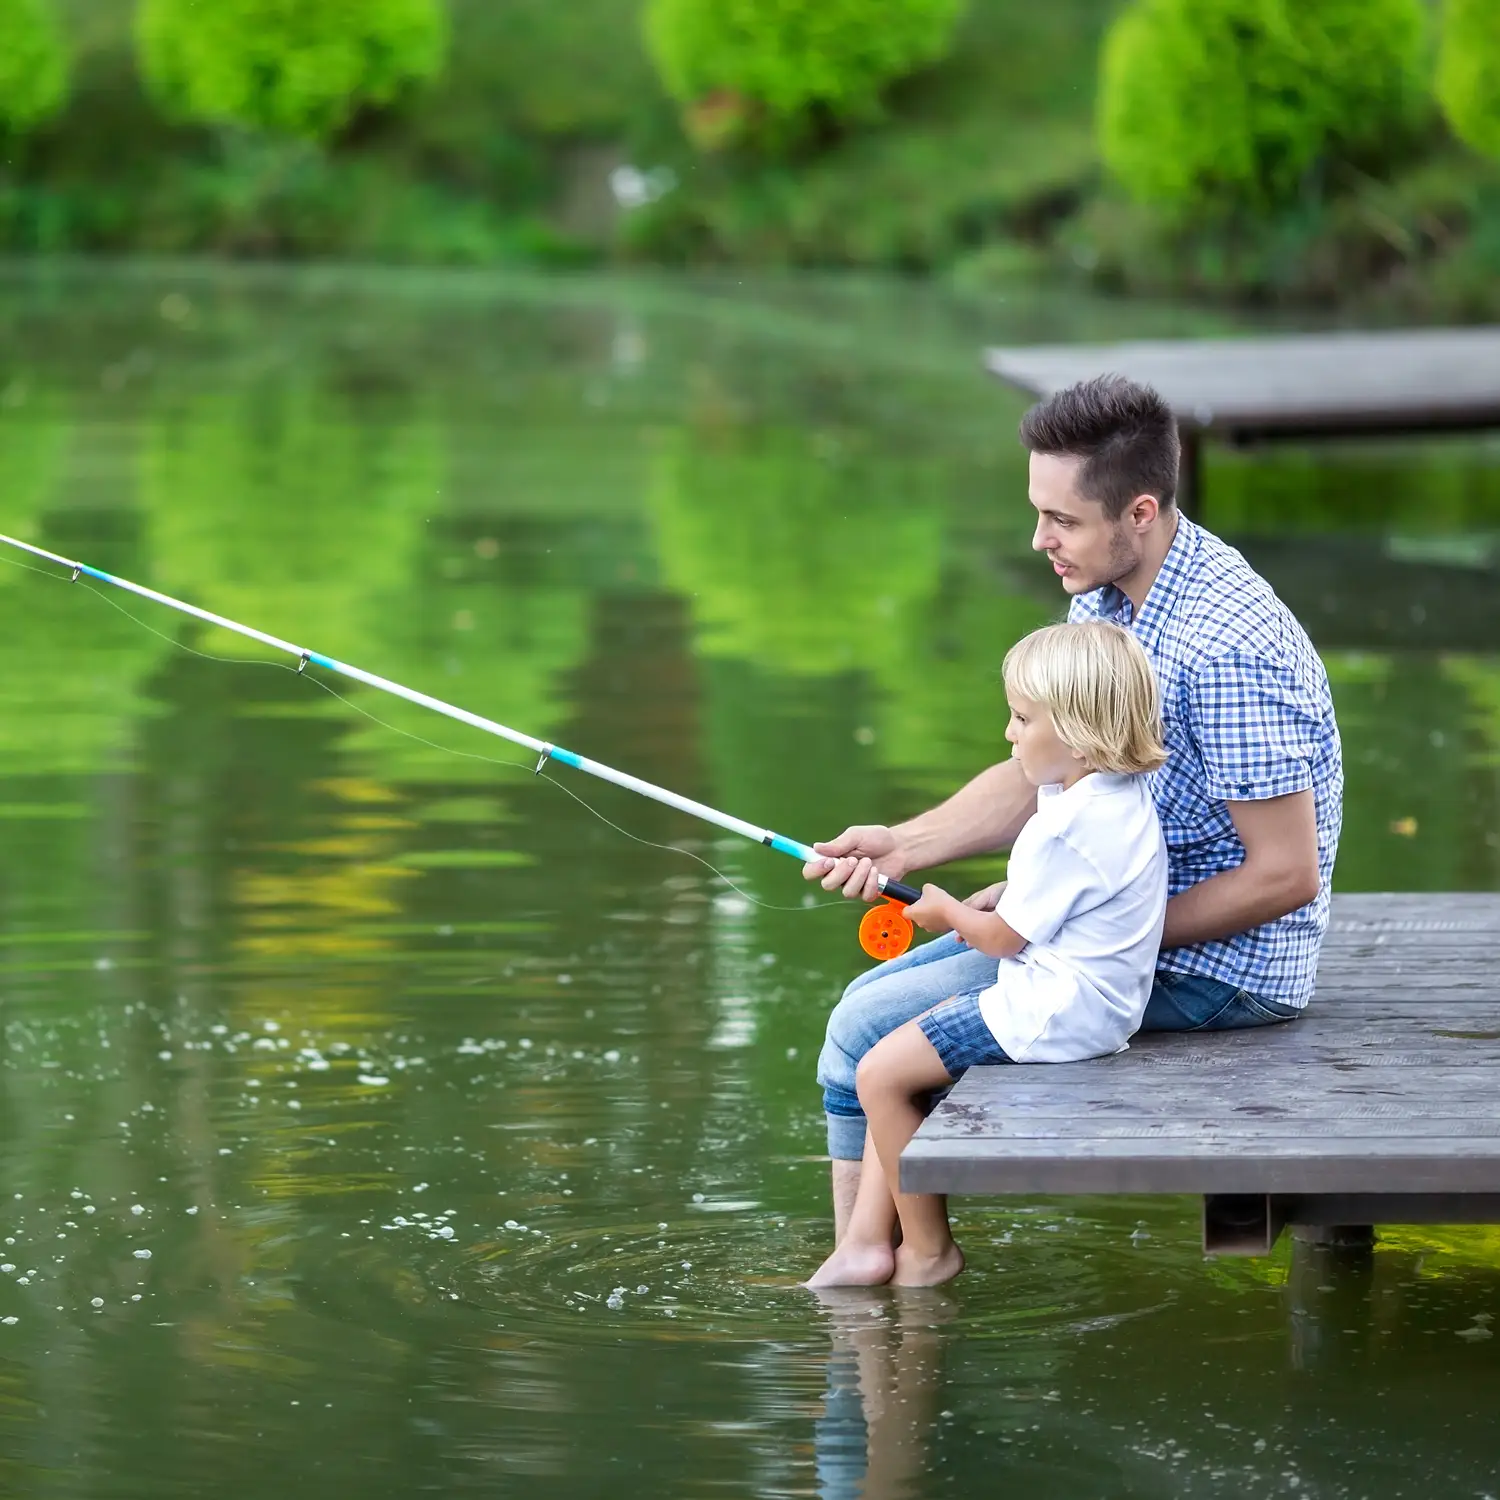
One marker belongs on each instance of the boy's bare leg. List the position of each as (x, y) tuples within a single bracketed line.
[(895, 1074), (864, 1257)]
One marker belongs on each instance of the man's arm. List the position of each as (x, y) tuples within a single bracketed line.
[(985, 815), (1279, 874)]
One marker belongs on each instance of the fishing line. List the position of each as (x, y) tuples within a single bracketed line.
[(494, 760), (517, 765)]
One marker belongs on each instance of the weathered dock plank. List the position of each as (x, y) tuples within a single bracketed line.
[(1387, 1092), (1421, 377), (1292, 386)]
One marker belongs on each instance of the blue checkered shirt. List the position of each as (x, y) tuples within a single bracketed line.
[(1248, 715)]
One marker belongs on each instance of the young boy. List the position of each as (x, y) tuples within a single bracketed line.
[(1074, 930)]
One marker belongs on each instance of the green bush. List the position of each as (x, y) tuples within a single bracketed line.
[(33, 65), (1468, 77), (1231, 104), (768, 68), (292, 67)]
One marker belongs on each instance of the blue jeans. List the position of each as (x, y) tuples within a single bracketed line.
[(897, 991)]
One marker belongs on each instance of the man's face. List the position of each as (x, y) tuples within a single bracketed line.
[(1087, 550)]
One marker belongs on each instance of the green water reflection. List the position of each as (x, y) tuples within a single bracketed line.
[(473, 1142)]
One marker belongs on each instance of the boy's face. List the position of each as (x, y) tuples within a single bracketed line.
[(1044, 758), (1086, 549)]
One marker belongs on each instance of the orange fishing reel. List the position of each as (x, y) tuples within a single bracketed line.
[(885, 931)]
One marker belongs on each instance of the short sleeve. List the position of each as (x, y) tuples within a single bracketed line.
[(1256, 728), (1051, 883)]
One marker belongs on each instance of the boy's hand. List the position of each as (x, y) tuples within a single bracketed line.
[(931, 912), (987, 899)]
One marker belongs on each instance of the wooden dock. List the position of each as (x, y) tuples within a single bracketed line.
[(1299, 386), (1380, 1105)]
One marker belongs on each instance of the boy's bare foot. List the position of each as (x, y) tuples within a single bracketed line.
[(927, 1270), (855, 1265)]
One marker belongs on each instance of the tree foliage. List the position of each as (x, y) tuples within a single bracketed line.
[(767, 67), (289, 67), (1468, 75), (33, 65), (1232, 103)]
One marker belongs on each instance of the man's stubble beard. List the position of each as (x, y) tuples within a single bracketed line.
[(1123, 557), (1123, 560)]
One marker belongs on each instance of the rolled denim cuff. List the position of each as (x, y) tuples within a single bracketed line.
[(846, 1136)]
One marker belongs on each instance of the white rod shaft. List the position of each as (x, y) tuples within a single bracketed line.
[(437, 705)]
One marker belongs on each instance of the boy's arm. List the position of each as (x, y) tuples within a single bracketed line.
[(984, 931)]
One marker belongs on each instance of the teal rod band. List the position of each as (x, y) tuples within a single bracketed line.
[(790, 846)]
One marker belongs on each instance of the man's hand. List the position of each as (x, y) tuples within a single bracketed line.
[(856, 859), (987, 899)]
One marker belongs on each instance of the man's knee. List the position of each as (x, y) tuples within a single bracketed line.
[(851, 1031)]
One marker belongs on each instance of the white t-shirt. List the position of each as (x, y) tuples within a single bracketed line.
[(1087, 889)]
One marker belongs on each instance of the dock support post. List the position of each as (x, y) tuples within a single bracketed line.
[(1329, 1291), (1241, 1223)]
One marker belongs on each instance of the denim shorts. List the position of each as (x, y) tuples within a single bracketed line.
[(957, 1029)]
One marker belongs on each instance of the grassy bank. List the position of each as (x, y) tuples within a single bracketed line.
[(982, 170)]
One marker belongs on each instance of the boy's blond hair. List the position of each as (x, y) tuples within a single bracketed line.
[(1098, 685)]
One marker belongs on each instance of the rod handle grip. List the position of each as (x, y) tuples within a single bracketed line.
[(905, 894)]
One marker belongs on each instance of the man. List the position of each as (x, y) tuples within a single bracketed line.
[(1250, 800)]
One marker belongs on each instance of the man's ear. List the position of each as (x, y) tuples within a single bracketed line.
[(1143, 510)]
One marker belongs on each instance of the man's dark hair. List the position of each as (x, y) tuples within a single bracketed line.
[(1125, 434)]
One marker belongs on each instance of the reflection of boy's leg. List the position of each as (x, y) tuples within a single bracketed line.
[(873, 1006), (898, 1439), (896, 1080)]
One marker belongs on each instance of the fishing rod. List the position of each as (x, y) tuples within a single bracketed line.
[(884, 932)]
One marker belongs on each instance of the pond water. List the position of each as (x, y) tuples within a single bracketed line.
[(381, 1119)]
